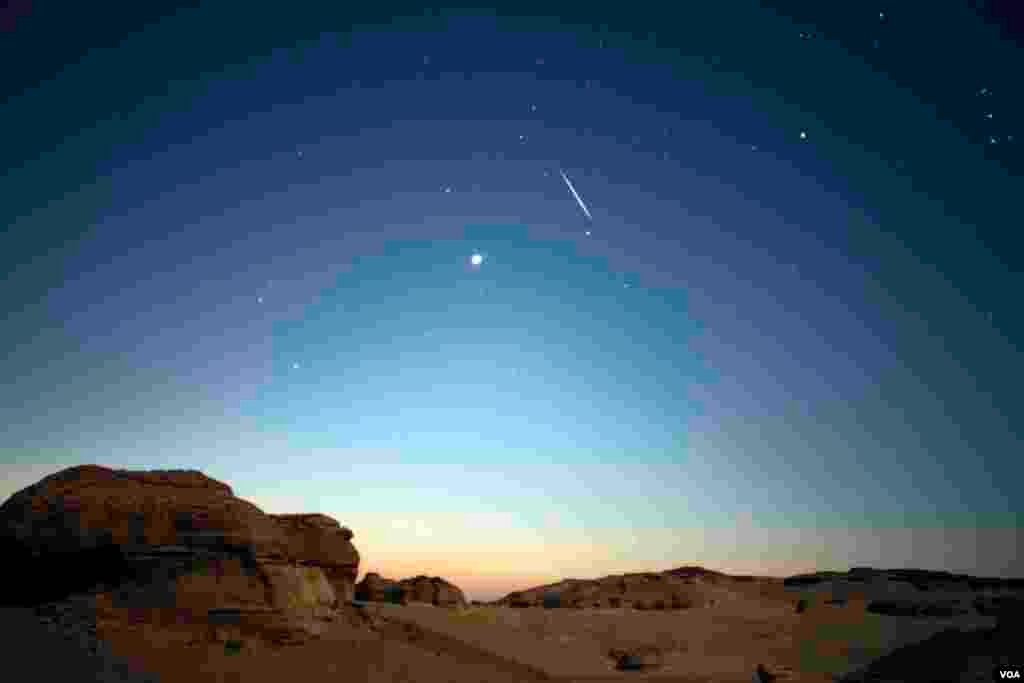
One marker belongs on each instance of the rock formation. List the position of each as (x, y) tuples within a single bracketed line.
[(432, 590), (173, 540)]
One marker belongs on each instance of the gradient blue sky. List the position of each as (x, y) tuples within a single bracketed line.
[(790, 340)]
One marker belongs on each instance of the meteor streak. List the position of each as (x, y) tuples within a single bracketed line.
[(576, 194)]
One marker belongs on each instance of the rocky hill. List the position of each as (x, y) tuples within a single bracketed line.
[(679, 588)]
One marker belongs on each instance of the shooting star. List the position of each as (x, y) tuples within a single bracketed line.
[(576, 195)]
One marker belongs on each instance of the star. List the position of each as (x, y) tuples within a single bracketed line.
[(259, 299), (753, 148), (447, 188), (476, 259), (587, 233), (533, 107), (295, 366), (803, 135)]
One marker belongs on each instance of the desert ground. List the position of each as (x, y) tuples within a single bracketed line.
[(120, 576), (388, 643)]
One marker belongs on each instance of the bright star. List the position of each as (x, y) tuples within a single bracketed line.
[(476, 259)]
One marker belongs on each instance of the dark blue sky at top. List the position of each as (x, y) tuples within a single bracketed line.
[(230, 221)]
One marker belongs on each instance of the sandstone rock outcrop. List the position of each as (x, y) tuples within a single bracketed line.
[(432, 590), (173, 540)]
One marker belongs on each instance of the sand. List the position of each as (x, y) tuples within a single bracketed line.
[(724, 643)]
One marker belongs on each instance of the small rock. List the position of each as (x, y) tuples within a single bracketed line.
[(762, 675), (642, 658)]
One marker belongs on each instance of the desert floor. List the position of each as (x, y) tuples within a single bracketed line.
[(722, 643)]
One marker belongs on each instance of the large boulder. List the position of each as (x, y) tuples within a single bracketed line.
[(172, 540)]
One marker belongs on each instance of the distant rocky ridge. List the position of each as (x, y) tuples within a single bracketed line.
[(672, 589), (922, 579), (173, 540), (432, 590), (921, 593)]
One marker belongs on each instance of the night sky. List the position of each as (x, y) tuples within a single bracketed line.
[(520, 298)]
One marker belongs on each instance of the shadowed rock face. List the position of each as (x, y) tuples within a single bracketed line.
[(432, 590), (170, 539), (914, 608), (950, 655)]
